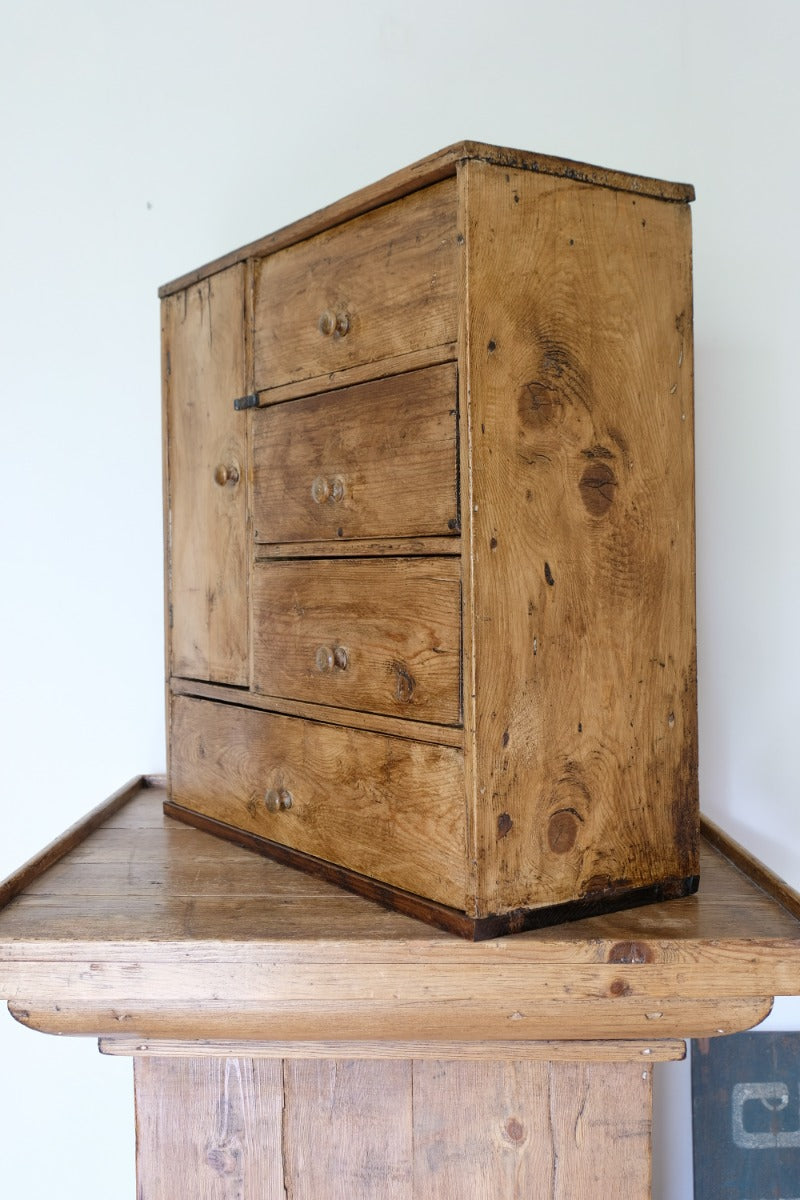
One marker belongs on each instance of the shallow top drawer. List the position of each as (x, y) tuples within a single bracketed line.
[(380, 285), (371, 461)]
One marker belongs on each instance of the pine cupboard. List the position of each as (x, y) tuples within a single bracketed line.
[(430, 542)]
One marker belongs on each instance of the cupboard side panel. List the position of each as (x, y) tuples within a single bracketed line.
[(580, 384)]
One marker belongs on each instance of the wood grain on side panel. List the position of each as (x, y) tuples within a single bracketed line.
[(580, 385)]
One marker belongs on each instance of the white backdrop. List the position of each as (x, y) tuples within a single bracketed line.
[(141, 139)]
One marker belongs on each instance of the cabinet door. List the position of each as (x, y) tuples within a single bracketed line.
[(204, 371)]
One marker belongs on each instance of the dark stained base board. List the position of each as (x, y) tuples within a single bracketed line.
[(474, 929)]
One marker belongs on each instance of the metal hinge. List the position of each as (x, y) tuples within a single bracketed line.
[(246, 402)]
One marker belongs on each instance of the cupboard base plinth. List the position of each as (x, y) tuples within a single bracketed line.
[(474, 929)]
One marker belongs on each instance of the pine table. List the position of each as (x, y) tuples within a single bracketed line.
[(293, 1040)]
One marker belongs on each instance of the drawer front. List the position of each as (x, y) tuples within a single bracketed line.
[(378, 635), (380, 285), (386, 807), (375, 460)]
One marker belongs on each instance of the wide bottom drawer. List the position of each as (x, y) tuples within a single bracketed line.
[(388, 808)]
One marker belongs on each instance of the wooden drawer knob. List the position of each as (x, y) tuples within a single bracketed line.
[(323, 489), (333, 324), (324, 659), (278, 800), (226, 475), (330, 658), (320, 490)]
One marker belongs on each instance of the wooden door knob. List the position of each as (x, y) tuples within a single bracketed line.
[(278, 800), (226, 475), (333, 324)]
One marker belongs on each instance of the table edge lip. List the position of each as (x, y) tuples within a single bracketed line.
[(16, 883), (534, 950)]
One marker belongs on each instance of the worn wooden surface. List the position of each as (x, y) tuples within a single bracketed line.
[(208, 1129), (207, 542), (405, 363), (394, 623), (371, 886), (388, 808), (540, 1130), (440, 165), (389, 274), (405, 547), (391, 443), (372, 1021), (766, 879), (348, 1129), (30, 871), (664, 1050), (218, 1128), (420, 731), (578, 348), (152, 929)]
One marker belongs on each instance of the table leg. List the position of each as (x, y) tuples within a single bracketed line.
[(240, 1128)]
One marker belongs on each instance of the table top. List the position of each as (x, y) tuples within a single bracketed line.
[(134, 925)]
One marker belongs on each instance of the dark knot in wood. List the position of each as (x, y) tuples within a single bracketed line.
[(597, 487)]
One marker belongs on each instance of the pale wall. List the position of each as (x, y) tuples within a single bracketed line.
[(139, 140)]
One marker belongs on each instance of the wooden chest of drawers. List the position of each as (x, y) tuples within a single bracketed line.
[(430, 542)]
